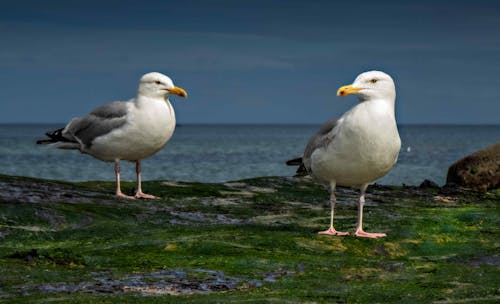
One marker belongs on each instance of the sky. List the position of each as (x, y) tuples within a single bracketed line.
[(250, 61)]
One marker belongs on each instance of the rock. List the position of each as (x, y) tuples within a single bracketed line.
[(427, 184), (241, 248), (480, 170)]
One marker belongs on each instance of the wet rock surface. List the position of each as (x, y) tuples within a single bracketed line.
[(163, 282), (34, 191)]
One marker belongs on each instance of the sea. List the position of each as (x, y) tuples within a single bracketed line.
[(220, 153)]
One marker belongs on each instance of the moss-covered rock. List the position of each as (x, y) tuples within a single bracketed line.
[(252, 240)]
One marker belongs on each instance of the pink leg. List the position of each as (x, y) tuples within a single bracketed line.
[(359, 227), (331, 230), (119, 192), (139, 193)]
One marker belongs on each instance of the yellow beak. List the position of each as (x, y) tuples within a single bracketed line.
[(178, 91), (348, 89)]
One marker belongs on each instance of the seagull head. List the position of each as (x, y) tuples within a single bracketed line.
[(371, 85), (157, 85)]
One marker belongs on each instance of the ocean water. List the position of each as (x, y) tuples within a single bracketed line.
[(219, 153)]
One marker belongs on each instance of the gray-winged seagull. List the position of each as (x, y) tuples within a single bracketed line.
[(359, 147), (124, 130)]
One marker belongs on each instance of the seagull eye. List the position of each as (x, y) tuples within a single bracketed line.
[(157, 82), (373, 80)]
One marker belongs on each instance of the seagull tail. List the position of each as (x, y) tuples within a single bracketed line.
[(301, 171), (57, 140), (53, 137), (294, 162)]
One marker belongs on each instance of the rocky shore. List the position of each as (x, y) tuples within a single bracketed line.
[(251, 240)]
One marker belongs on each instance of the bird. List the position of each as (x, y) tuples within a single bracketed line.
[(358, 148), (124, 130)]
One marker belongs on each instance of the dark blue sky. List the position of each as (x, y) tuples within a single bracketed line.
[(250, 61)]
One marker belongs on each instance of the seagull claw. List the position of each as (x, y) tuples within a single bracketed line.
[(361, 233), (140, 194), (121, 195), (332, 231)]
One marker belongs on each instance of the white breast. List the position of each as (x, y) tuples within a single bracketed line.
[(365, 147), (150, 124)]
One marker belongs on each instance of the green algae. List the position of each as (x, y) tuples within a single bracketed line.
[(252, 240)]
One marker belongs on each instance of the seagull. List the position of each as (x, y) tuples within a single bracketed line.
[(124, 130), (359, 147)]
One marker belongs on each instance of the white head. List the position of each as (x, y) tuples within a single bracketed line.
[(370, 86), (157, 85)]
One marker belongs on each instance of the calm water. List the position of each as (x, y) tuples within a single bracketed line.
[(217, 153)]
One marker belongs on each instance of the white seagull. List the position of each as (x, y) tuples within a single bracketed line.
[(124, 130), (359, 147)]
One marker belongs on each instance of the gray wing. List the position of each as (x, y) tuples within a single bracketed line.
[(321, 139), (102, 120)]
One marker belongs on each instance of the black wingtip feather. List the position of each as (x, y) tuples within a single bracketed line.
[(53, 137), (301, 171), (294, 162), (56, 134), (44, 141)]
